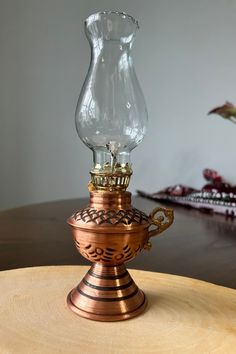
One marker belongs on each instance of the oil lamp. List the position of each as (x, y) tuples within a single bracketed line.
[(111, 119)]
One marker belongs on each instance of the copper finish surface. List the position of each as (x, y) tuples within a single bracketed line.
[(108, 233), (110, 200), (107, 294)]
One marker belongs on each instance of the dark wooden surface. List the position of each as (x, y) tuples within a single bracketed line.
[(197, 245)]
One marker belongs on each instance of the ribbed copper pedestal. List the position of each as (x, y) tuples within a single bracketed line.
[(104, 285)]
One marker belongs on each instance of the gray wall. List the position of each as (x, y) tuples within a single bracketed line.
[(185, 57)]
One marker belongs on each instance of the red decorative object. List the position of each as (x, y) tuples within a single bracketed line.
[(216, 196), (226, 111)]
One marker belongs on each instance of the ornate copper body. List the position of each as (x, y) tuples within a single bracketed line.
[(108, 233)]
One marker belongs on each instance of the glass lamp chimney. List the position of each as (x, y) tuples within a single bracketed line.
[(111, 114)]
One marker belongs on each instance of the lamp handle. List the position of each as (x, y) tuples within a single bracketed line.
[(162, 218)]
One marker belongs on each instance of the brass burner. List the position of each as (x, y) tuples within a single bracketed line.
[(111, 177)]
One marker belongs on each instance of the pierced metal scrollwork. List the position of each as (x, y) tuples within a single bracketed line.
[(106, 255)]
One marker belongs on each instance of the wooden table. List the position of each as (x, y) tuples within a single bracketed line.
[(197, 245), (183, 316)]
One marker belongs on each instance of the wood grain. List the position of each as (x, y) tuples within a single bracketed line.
[(197, 245), (183, 316)]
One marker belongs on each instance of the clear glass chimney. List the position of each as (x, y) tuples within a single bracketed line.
[(111, 114)]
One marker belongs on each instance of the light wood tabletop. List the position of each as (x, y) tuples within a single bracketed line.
[(183, 316)]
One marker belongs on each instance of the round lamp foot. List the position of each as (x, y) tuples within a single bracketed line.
[(107, 293)]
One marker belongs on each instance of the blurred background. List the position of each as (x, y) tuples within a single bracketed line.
[(185, 59)]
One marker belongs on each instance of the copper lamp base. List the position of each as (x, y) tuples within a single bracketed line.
[(110, 232), (107, 293)]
